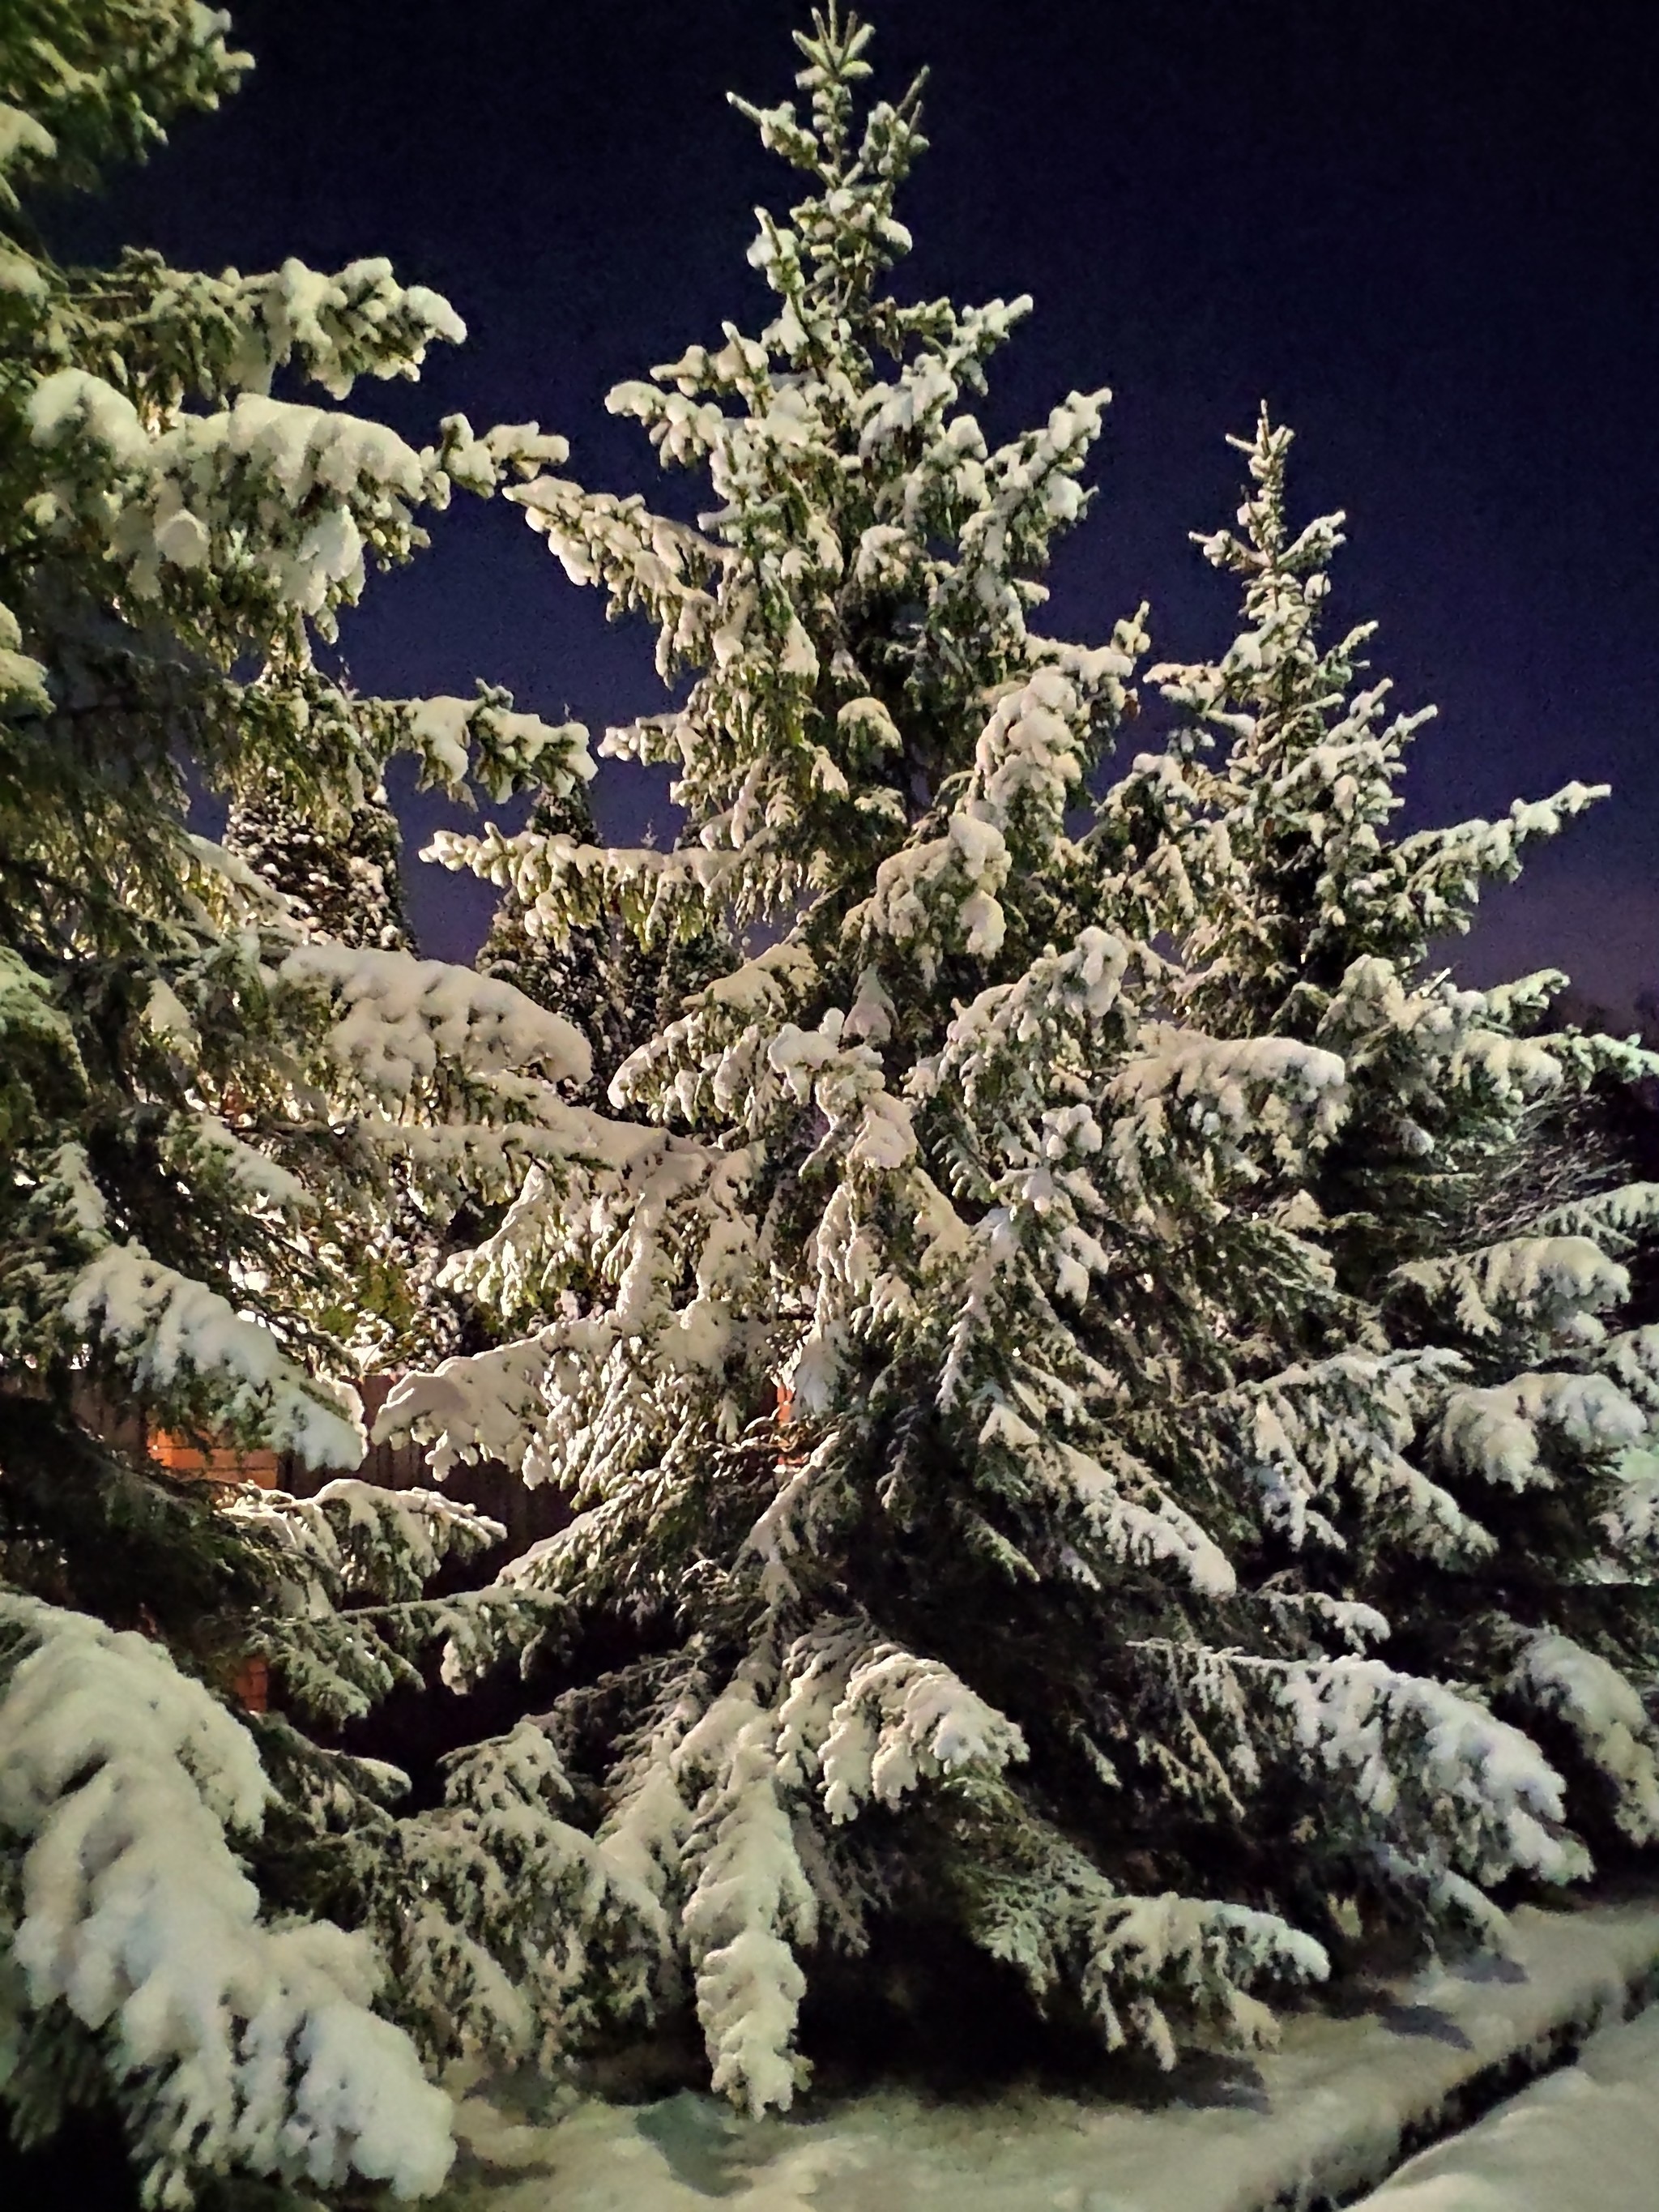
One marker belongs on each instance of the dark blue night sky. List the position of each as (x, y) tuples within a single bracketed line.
[(1423, 232)]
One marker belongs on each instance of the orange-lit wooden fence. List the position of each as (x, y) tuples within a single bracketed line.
[(490, 1487), (218, 1463), (224, 1463)]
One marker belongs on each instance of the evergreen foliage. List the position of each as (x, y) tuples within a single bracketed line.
[(618, 991), (1027, 1357), (1299, 916), (342, 878), (1476, 1198), (336, 867), (1035, 1323), (199, 1100)]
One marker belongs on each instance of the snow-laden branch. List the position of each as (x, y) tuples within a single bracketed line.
[(397, 1019), (169, 1332), (124, 1781)]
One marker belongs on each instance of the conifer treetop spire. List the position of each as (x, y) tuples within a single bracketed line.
[(862, 530), (848, 230), (1307, 784)]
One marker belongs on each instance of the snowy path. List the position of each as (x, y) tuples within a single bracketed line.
[(1319, 2120), (1585, 2140)]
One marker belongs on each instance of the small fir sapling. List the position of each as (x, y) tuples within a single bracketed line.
[(962, 1404)]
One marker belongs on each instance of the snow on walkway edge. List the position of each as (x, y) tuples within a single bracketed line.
[(1585, 2139), (1314, 2123)]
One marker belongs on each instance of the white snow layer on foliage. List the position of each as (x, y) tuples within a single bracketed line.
[(1497, 1432), (1605, 1712), (940, 894), (400, 1018), (750, 1905), (1219, 1073), (1556, 1285), (166, 1328), (319, 475), (1347, 1422), (253, 1174), (480, 1407), (1226, 1088), (1311, 2122), (364, 1538), (297, 310), (647, 1199), (870, 1721), (444, 730), (1632, 1522), (122, 1775), (1004, 1022), (1490, 1783)]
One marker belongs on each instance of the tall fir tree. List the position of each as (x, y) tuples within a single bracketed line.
[(965, 1415), (210, 1922)]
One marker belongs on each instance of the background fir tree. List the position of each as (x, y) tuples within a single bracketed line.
[(617, 990), (199, 1100), (336, 863), (1029, 1621), (1478, 1203), (341, 874)]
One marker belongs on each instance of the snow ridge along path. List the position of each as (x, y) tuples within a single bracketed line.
[(1310, 2125), (1585, 2139)]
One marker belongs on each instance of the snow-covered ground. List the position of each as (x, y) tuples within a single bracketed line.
[(1321, 2118), (1585, 2140)]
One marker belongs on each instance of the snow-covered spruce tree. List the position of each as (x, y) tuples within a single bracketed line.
[(617, 990), (997, 1625), (197, 1101), (1473, 1201)]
